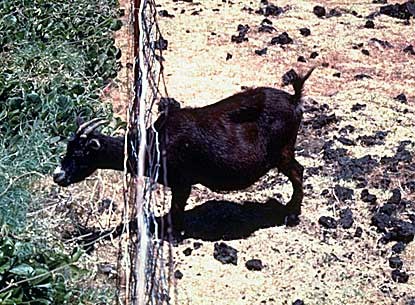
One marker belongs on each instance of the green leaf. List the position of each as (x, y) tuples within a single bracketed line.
[(23, 270), (76, 255), (116, 25), (5, 267), (33, 98), (10, 20), (54, 140)]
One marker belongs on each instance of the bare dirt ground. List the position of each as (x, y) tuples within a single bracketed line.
[(308, 262)]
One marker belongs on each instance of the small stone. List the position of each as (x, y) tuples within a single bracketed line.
[(382, 43), (362, 76), (358, 233), (319, 11), (367, 197), (357, 107), (270, 10), (381, 221), (365, 52), (225, 254), (261, 52), (178, 274), (266, 28), (358, 46), (334, 13), (395, 262), (401, 98), (282, 39), (388, 209), (305, 32), (313, 54), (242, 31), (298, 302), (165, 13), (396, 197), (398, 247), (410, 50), (369, 24), (161, 44), (400, 11), (337, 74), (403, 231), (346, 218), (254, 265), (187, 251), (343, 193), (228, 56), (400, 276), (327, 222), (346, 141), (301, 59)]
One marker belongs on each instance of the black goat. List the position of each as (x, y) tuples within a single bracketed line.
[(228, 145)]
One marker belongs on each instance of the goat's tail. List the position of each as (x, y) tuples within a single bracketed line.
[(298, 84)]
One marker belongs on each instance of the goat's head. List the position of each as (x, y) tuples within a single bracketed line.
[(81, 153)]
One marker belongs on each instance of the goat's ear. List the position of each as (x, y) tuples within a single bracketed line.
[(94, 144)]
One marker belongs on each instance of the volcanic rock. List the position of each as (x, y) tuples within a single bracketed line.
[(327, 222), (254, 264), (282, 39), (225, 254)]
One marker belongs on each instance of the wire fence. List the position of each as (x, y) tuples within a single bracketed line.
[(147, 259)]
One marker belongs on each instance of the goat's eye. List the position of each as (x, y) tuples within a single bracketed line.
[(78, 153)]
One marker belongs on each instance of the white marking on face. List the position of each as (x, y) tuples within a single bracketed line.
[(58, 171)]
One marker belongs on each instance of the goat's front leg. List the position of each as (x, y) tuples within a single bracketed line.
[(179, 197)]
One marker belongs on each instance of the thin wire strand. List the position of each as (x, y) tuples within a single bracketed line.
[(146, 262)]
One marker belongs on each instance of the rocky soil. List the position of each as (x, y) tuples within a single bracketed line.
[(354, 242)]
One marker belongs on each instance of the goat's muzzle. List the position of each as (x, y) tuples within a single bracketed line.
[(59, 177)]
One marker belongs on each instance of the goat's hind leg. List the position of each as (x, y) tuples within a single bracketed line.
[(294, 171)]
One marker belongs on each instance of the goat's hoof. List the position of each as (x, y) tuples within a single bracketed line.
[(291, 220)]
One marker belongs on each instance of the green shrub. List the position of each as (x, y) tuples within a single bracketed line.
[(32, 273), (29, 274), (55, 57)]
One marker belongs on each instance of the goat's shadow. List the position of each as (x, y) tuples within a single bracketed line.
[(224, 220), (212, 221)]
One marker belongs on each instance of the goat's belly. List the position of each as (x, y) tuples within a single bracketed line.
[(228, 180)]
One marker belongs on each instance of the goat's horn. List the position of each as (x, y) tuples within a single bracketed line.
[(94, 126), (86, 124), (90, 126)]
